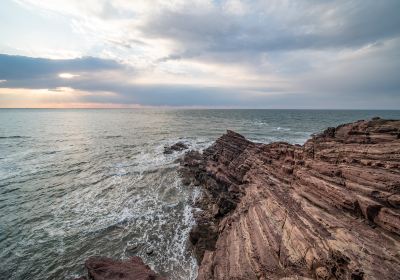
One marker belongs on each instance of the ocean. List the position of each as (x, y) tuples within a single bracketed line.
[(81, 182)]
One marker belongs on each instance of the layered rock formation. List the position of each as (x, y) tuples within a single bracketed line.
[(101, 268), (329, 209)]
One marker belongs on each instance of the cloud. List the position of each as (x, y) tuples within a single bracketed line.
[(240, 53), (21, 67), (370, 71), (276, 25), (52, 98)]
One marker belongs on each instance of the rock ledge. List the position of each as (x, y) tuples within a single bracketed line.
[(102, 268), (329, 209)]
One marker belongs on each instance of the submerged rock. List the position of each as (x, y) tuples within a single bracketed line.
[(132, 247), (179, 146), (101, 268), (149, 251), (326, 210)]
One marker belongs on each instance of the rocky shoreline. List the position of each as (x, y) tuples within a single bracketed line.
[(329, 209), (326, 210)]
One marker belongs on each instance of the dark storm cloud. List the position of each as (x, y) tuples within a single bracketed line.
[(19, 68)]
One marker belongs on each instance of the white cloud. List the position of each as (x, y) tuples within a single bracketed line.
[(254, 46), (236, 7)]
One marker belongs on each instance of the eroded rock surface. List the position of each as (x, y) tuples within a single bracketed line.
[(101, 268), (329, 209)]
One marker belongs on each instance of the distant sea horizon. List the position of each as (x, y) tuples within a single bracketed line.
[(198, 108)]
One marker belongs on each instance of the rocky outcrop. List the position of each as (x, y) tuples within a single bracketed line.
[(179, 146), (329, 209), (101, 268)]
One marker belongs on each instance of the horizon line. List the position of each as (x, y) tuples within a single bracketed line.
[(194, 108)]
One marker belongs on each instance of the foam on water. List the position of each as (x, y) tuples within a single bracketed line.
[(283, 128), (78, 183)]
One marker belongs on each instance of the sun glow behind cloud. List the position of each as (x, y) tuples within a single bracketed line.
[(252, 53), (60, 97), (67, 75)]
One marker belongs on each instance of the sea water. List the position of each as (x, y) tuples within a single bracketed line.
[(85, 182)]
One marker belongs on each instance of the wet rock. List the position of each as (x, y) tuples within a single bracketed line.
[(326, 210), (225, 205), (179, 146), (149, 251), (357, 275), (132, 247), (186, 181), (203, 236), (101, 268), (329, 132)]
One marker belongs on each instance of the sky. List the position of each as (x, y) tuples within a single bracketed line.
[(300, 54)]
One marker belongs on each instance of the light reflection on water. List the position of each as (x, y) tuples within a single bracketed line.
[(77, 183)]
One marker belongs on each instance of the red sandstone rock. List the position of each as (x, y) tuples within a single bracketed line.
[(326, 210), (101, 268)]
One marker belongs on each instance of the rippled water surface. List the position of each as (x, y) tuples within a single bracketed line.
[(77, 183)]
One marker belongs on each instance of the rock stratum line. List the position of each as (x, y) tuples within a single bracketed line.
[(329, 209)]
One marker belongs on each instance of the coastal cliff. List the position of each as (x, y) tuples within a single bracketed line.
[(329, 209)]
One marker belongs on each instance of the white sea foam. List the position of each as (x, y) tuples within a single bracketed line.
[(282, 128)]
